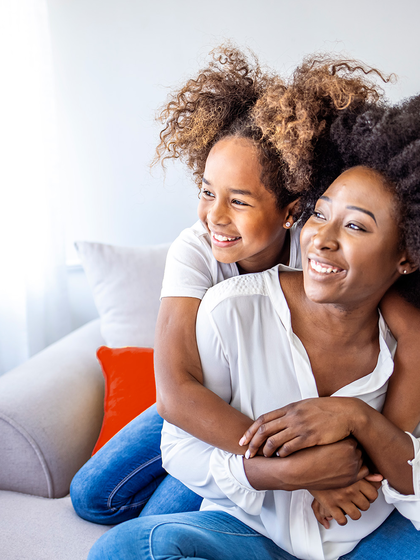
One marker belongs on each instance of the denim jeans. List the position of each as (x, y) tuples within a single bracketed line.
[(125, 478), (218, 536)]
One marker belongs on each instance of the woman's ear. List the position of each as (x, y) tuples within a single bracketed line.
[(289, 214), (405, 266)]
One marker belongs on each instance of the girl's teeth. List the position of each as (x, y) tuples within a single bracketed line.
[(222, 238)]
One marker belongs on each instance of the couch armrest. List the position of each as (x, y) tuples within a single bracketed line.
[(51, 410)]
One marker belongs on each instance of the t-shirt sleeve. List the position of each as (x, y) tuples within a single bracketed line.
[(187, 269)]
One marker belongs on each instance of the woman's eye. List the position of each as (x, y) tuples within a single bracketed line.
[(318, 214), (355, 227)]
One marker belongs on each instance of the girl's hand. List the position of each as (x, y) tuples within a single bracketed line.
[(351, 501), (302, 424)]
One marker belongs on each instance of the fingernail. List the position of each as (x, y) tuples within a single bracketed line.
[(242, 440), (247, 454)]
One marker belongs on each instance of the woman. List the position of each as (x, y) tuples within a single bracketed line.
[(322, 327)]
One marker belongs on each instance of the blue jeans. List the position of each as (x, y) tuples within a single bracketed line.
[(125, 478), (212, 535)]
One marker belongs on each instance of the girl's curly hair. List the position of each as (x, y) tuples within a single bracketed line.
[(288, 122), (387, 140)]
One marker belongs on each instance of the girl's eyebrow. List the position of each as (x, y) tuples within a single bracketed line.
[(233, 191), (353, 208)]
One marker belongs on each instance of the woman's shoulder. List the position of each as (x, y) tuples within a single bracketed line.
[(244, 286)]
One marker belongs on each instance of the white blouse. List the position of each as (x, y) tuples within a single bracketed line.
[(253, 360)]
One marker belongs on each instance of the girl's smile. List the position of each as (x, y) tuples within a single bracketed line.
[(241, 215)]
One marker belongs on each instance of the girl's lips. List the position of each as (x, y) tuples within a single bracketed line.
[(324, 268), (223, 240)]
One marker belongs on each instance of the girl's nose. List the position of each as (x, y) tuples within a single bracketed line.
[(326, 238), (218, 214)]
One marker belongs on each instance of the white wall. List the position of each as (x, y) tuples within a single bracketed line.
[(116, 60)]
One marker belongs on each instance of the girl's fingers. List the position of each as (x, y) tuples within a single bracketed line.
[(339, 515), (353, 512), (374, 477), (370, 491)]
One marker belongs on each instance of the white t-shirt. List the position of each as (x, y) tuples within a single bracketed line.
[(191, 268), (253, 360)]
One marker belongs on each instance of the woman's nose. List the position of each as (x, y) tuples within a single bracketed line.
[(326, 238)]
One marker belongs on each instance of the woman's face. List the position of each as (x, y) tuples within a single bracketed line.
[(350, 245), (241, 215)]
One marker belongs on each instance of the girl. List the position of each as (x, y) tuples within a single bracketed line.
[(249, 211), (362, 238)]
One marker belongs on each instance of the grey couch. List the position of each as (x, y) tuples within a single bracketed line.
[(51, 410), (51, 407)]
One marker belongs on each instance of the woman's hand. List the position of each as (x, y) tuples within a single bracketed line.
[(336, 465), (318, 421), (351, 501)]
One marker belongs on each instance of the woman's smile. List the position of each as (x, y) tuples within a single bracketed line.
[(351, 242)]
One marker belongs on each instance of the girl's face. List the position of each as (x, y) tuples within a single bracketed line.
[(350, 245), (241, 215)]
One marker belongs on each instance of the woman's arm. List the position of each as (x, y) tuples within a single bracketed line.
[(402, 405), (321, 421), (181, 398)]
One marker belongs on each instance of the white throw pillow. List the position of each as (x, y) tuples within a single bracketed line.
[(126, 284)]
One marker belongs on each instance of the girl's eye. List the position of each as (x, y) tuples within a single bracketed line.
[(207, 193), (239, 202)]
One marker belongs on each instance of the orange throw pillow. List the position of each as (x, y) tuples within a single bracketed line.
[(129, 387)]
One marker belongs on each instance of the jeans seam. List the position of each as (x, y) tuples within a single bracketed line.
[(256, 534), (124, 480)]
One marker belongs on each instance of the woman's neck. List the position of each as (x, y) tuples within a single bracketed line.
[(342, 344)]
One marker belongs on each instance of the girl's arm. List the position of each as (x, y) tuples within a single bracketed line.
[(402, 405), (181, 398)]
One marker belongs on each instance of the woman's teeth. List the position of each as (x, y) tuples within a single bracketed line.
[(325, 269), (223, 238)]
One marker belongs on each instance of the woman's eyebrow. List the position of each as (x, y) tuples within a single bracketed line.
[(353, 208), (364, 211)]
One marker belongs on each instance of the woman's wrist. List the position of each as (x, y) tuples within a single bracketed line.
[(359, 416)]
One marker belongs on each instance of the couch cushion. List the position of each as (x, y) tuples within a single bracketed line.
[(129, 387), (34, 528), (126, 284)]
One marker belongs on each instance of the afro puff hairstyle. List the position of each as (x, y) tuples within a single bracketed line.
[(235, 96), (387, 140)]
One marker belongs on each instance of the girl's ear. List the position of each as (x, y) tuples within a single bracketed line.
[(289, 213), (405, 266)]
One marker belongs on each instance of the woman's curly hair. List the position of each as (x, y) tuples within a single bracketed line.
[(287, 121), (386, 139)]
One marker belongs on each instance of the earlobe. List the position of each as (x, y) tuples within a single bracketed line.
[(406, 267), (289, 218)]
